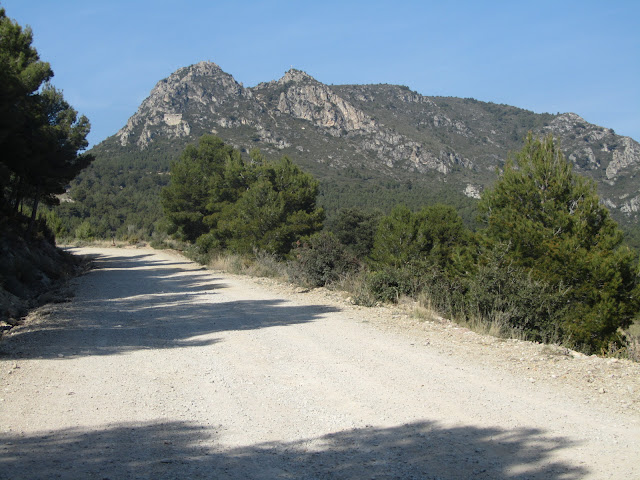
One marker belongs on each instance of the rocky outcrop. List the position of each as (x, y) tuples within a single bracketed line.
[(472, 191), (304, 98), (307, 99), (631, 206), (165, 112), (623, 158)]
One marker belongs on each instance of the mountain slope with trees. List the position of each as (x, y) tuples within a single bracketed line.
[(371, 146)]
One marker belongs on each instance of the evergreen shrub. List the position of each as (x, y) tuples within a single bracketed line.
[(391, 283), (321, 260)]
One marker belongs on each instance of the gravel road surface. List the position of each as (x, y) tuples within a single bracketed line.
[(160, 369)]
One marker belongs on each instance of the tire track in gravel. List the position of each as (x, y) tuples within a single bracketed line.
[(160, 369)]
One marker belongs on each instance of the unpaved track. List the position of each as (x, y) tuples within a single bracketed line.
[(160, 369)]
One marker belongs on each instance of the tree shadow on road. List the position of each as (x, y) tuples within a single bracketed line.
[(421, 450), (133, 303)]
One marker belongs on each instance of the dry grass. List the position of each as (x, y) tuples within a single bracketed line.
[(228, 263), (420, 310), (633, 348), (260, 265), (632, 342), (355, 284), (496, 327)]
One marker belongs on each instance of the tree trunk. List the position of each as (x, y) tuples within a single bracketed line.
[(17, 194), (34, 210)]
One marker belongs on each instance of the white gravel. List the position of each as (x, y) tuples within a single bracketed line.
[(161, 369)]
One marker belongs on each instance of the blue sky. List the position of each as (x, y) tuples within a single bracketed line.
[(545, 56)]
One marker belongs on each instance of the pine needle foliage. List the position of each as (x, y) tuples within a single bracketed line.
[(557, 233), (219, 201)]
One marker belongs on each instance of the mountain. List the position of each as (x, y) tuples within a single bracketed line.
[(369, 145)]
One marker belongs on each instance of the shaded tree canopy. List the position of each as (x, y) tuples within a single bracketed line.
[(198, 189), (41, 135), (355, 228), (21, 75)]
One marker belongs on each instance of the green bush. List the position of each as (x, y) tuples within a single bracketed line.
[(389, 284), (444, 293), (53, 221), (321, 260), (500, 292), (217, 199), (434, 236), (84, 231), (355, 229)]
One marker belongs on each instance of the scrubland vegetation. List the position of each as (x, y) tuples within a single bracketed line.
[(548, 263)]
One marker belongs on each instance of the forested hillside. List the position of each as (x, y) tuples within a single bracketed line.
[(371, 146)]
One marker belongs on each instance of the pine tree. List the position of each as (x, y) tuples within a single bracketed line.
[(355, 228), (55, 159), (41, 136), (206, 178), (221, 202), (21, 75), (555, 228), (278, 208)]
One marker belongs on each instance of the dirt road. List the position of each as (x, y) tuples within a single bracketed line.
[(160, 369)]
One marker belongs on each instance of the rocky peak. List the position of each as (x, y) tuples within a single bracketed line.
[(208, 69), (188, 90), (565, 122), (201, 82), (296, 76)]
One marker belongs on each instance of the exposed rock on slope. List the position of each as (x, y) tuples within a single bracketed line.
[(164, 112)]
